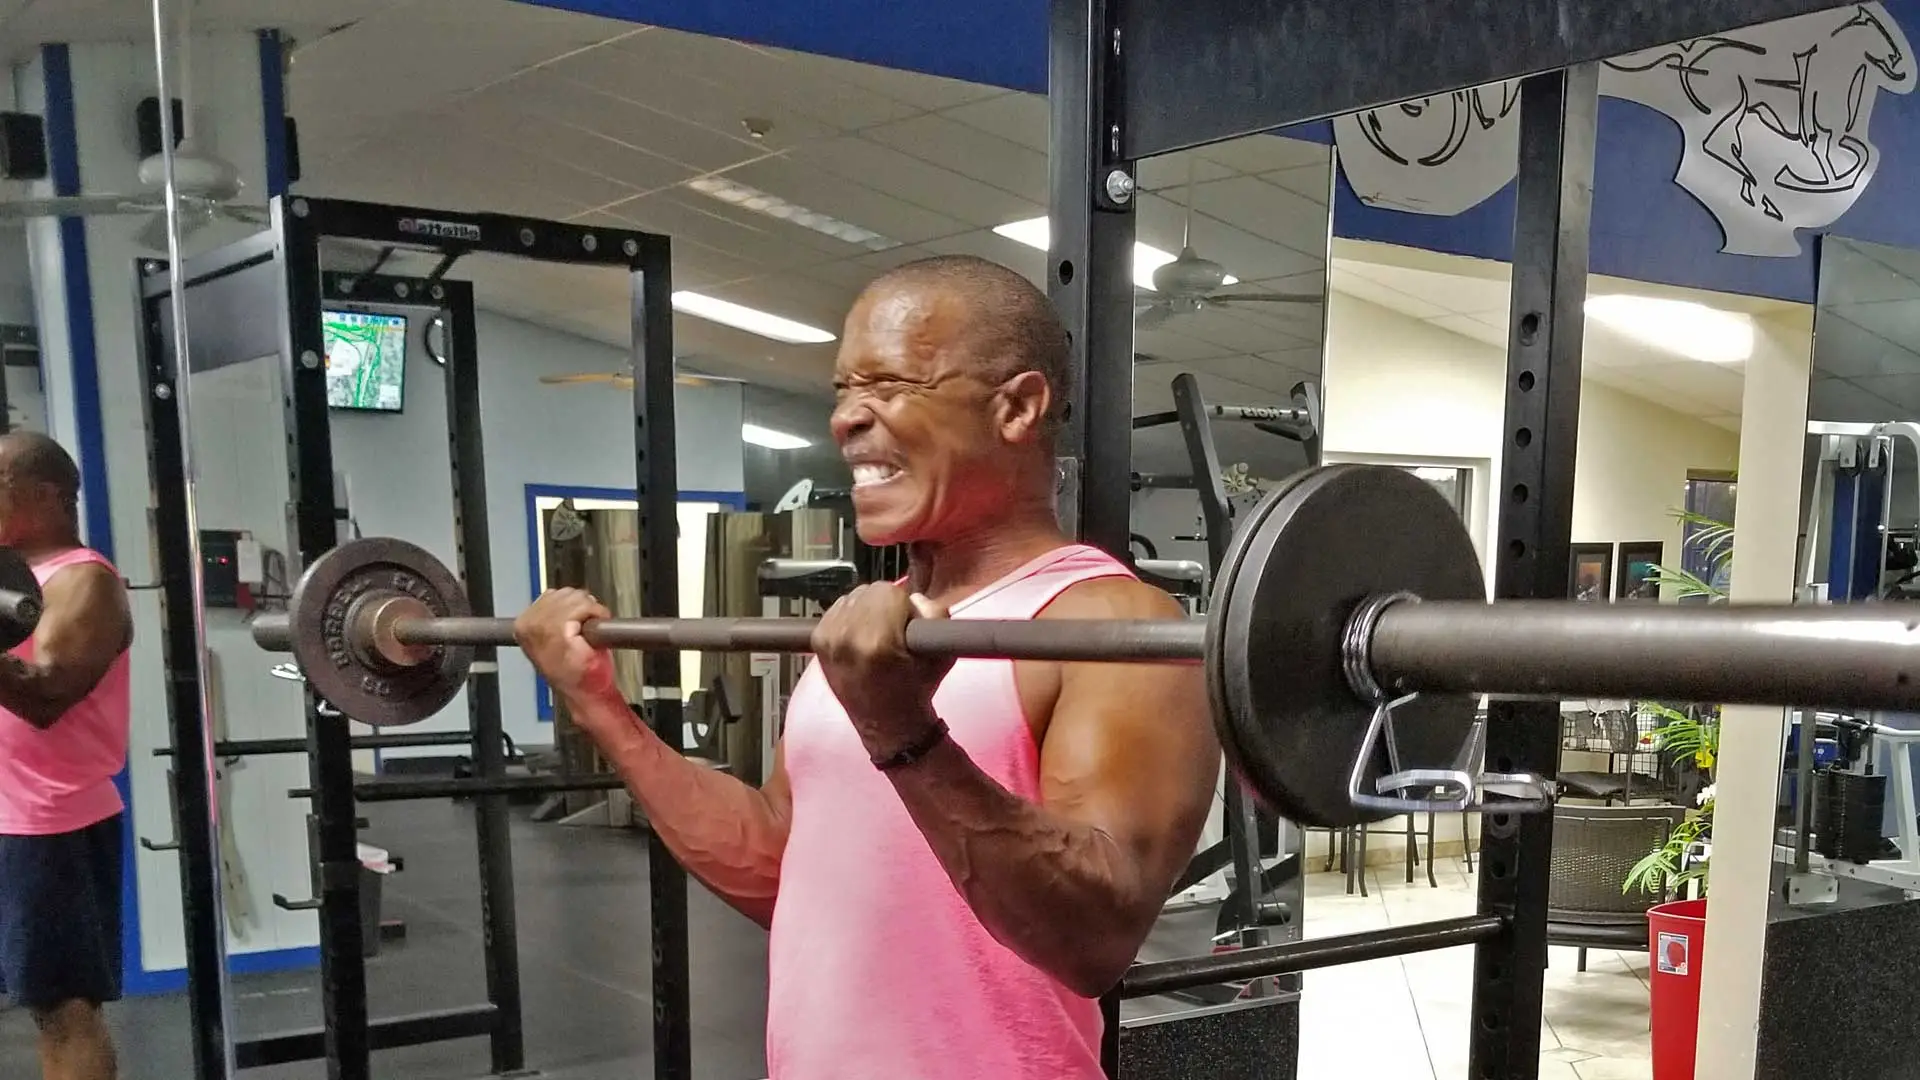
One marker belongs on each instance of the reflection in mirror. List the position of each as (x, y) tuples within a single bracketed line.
[(23, 391), (1229, 272), (1849, 805)]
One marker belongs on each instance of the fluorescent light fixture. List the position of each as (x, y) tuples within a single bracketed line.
[(1682, 327), (1034, 233), (752, 320), (734, 193), (771, 439)]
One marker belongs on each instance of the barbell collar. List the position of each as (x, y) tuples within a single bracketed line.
[(19, 608), (1865, 656)]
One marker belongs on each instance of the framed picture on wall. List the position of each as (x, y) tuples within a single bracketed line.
[(1591, 574), (1637, 563)]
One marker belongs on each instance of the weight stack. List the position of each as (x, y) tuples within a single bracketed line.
[(1847, 811)]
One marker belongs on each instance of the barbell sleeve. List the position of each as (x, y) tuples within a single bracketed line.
[(1865, 655)]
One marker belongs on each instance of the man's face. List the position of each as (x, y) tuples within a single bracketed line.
[(925, 434), (20, 507)]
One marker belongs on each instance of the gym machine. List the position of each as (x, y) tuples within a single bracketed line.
[(229, 295), (1129, 81), (1849, 780)]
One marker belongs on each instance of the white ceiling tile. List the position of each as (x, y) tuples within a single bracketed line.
[(989, 159), (1162, 223), (1840, 400), (1849, 275), (1902, 390), (1273, 380), (720, 101), (1235, 335), (1897, 321), (1017, 116), (1312, 182), (855, 202), (919, 91), (955, 203), (1459, 294), (993, 247), (1170, 173), (1267, 211), (1256, 154), (1469, 327), (694, 220), (1167, 344), (1345, 281), (629, 120), (1711, 384), (1841, 347)]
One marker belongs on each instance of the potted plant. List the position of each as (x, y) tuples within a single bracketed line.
[(1675, 929)]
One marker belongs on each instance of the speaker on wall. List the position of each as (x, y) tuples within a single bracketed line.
[(147, 125), (23, 146)]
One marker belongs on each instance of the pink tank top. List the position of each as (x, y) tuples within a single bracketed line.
[(61, 779), (878, 969)]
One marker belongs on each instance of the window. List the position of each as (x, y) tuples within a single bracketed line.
[(1455, 484), (1711, 496)]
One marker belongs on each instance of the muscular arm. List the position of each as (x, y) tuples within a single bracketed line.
[(725, 832), (1128, 767), (84, 626)]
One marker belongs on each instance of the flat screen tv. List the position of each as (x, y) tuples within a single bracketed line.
[(366, 360)]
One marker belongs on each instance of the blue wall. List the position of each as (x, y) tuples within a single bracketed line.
[(1645, 226)]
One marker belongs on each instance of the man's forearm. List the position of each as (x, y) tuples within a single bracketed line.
[(723, 831), (1062, 895)]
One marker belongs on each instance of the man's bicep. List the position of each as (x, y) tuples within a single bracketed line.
[(1130, 750), (84, 626)]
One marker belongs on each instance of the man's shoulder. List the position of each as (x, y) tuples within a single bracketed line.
[(1115, 596)]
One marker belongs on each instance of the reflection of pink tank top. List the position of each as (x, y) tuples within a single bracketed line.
[(61, 779), (878, 968)]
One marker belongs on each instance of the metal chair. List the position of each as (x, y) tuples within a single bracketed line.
[(1594, 849)]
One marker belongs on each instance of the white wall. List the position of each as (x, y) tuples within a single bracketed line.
[(1401, 389)]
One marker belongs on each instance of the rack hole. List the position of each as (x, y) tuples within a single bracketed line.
[(1529, 327), (1520, 493), (1517, 549), (1503, 764), (1902, 679), (1498, 868), (1065, 272), (1523, 437), (1525, 381)]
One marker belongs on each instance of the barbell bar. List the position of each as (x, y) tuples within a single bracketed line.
[(1347, 588)]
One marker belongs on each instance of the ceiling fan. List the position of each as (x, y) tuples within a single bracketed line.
[(206, 184), (1191, 282)]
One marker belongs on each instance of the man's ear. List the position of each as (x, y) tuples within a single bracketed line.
[(1026, 399)]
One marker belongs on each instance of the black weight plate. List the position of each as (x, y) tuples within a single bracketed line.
[(319, 609), (1315, 548), (17, 576)]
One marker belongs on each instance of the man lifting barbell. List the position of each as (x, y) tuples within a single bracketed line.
[(979, 845)]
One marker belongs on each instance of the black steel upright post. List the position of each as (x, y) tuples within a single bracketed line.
[(343, 968), (180, 656), (1550, 236), (657, 483), (1090, 279), (473, 561)]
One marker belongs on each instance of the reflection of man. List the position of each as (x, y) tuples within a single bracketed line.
[(979, 846), (63, 737)]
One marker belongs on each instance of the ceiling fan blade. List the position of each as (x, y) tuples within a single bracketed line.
[(1151, 315), (587, 377), (1269, 298), (71, 206)]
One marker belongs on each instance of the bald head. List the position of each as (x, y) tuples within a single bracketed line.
[(1008, 326), (39, 490)]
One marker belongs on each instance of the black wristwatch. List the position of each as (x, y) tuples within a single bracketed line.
[(920, 748)]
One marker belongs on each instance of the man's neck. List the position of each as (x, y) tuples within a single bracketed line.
[(41, 547), (951, 570)]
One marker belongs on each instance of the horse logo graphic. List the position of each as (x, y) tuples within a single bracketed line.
[(1774, 122)]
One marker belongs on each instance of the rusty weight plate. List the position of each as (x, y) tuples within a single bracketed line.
[(359, 685), (1322, 542)]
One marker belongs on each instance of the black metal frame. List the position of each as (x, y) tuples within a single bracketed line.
[(292, 244), (1133, 80)]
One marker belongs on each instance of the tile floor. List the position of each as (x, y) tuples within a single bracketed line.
[(1407, 1017)]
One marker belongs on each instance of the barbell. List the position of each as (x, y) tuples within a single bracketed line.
[(1347, 640)]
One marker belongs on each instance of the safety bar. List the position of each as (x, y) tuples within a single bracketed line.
[(1166, 976)]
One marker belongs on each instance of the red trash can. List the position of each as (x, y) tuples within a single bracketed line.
[(1676, 939)]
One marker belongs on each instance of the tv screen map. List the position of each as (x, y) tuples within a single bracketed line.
[(366, 360)]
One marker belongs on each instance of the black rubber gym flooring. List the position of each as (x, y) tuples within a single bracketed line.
[(582, 903)]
